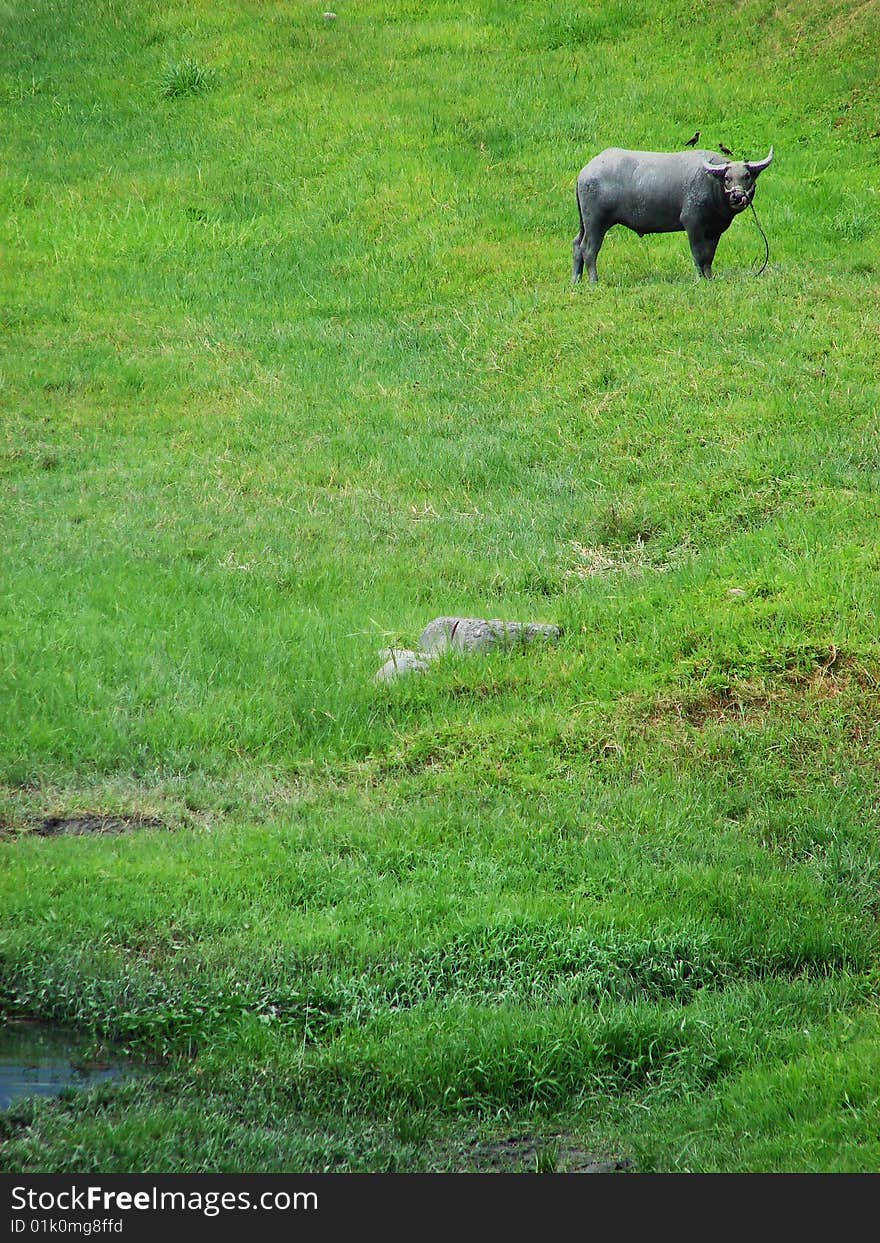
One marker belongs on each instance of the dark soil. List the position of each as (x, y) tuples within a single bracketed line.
[(83, 824), (530, 1154)]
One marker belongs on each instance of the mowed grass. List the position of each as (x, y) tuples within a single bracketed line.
[(291, 365)]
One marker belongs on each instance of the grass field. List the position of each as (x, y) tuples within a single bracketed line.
[(290, 366)]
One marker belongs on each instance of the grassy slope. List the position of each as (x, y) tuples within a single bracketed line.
[(291, 367)]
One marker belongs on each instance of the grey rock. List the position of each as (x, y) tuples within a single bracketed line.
[(736, 593), (474, 634), (398, 662), (463, 634)]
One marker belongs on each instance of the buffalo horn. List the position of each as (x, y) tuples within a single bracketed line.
[(757, 166)]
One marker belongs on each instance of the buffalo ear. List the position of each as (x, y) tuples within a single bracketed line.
[(717, 170)]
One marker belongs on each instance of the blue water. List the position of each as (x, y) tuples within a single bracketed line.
[(36, 1060)]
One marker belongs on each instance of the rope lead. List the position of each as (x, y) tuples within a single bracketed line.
[(766, 243)]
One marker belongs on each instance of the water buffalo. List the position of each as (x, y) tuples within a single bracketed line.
[(698, 192)]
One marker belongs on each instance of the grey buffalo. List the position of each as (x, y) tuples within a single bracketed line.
[(698, 192)]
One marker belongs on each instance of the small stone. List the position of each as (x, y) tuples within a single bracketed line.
[(463, 634), (475, 634), (329, 17), (398, 662), (737, 593)]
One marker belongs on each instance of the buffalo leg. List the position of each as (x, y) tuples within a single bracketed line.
[(586, 248), (703, 250), (593, 239)]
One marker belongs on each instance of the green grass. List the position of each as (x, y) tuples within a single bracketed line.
[(291, 366), (186, 77)]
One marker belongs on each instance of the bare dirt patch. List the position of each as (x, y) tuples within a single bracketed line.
[(84, 824), (531, 1154)]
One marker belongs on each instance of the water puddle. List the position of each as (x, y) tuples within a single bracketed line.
[(38, 1060)]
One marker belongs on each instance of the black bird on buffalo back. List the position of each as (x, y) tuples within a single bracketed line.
[(725, 150)]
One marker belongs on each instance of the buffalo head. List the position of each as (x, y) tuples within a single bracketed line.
[(738, 179)]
